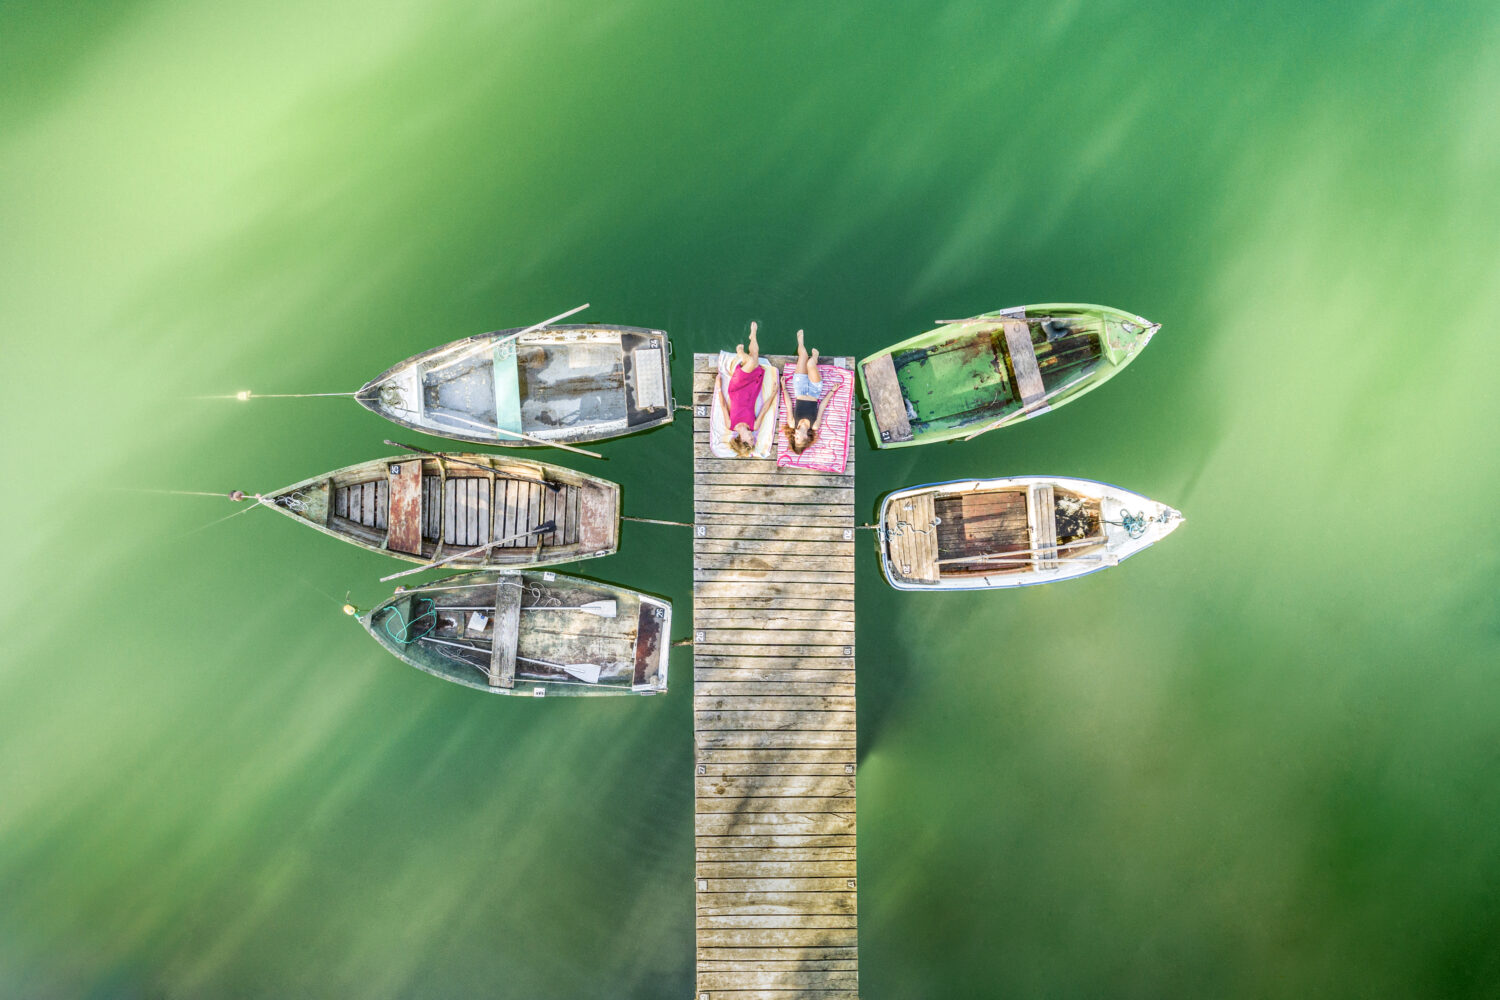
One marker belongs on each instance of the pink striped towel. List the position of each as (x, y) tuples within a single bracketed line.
[(830, 452)]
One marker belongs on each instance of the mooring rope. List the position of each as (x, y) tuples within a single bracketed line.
[(653, 520)]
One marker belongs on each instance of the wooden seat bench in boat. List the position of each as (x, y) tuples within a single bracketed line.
[(507, 630), (913, 539), (1043, 526), (1023, 364), (887, 404)]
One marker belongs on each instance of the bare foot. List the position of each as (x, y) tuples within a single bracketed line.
[(812, 360), (800, 346)]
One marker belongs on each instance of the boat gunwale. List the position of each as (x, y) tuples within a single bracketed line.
[(585, 480), (375, 406), (1102, 373), (974, 486)]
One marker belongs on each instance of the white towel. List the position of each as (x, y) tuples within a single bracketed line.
[(718, 424)]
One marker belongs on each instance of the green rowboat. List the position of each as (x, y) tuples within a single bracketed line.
[(979, 374)]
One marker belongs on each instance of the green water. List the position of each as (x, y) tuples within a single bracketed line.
[(1256, 761)]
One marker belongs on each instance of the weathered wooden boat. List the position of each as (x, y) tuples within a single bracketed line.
[(983, 373), (530, 633), (532, 386), (515, 512), (981, 533)]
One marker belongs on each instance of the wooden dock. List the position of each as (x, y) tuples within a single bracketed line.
[(773, 721)]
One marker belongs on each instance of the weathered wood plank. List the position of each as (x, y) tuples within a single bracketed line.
[(772, 855), (776, 637), (773, 479), (886, 400), (770, 703), (742, 588), (764, 530), (789, 574), (714, 870), (784, 603), (783, 962), (755, 901), (811, 954), (789, 922), (769, 841), (765, 979), (1023, 362), (786, 739), (768, 621), (775, 671), (803, 651), (705, 769), (775, 785), (769, 689)]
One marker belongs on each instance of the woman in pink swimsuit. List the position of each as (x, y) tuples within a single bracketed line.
[(740, 397)]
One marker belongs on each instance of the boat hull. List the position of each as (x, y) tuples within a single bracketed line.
[(969, 376), (1019, 531), (427, 508), (532, 633), (519, 388)]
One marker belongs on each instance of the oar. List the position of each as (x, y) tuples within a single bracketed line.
[(999, 319), (473, 465), (1027, 553), (586, 672), (603, 609), (540, 529), (524, 437), (1027, 410), (509, 336)]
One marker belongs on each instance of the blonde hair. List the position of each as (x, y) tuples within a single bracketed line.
[(739, 446)]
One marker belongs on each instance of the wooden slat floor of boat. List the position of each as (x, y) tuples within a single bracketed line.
[(773, 719)]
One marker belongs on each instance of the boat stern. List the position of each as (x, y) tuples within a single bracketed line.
[(653, 646)]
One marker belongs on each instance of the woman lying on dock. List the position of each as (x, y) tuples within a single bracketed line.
[(804, 409), (740, 396)]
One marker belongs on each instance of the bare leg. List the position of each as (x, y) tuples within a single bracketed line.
[(801, 355), (749, 366), (814, 373), (739, 356)]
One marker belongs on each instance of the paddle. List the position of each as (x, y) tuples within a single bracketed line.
[(601, 609), (540, 529), (586, 672)]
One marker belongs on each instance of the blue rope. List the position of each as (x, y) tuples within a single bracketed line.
[(406, 638)]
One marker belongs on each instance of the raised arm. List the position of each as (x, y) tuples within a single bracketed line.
[(827, 396)]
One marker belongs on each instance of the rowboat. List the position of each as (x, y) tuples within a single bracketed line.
[(979, 374), (532, 386), (531, 633), (488, 510), (976, 534)]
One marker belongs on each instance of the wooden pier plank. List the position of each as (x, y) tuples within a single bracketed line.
[(774, 723)]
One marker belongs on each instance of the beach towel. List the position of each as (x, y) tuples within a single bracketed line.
[(830, 452), (718, 422)]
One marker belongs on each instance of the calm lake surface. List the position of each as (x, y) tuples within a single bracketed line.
[(1257, 761)]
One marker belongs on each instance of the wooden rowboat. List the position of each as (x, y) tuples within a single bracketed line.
[(981, 533), (979, 374), (527, 387), (530, 633), (424, 509)]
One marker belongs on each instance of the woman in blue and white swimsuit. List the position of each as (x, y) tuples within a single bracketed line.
[(804, 408)]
